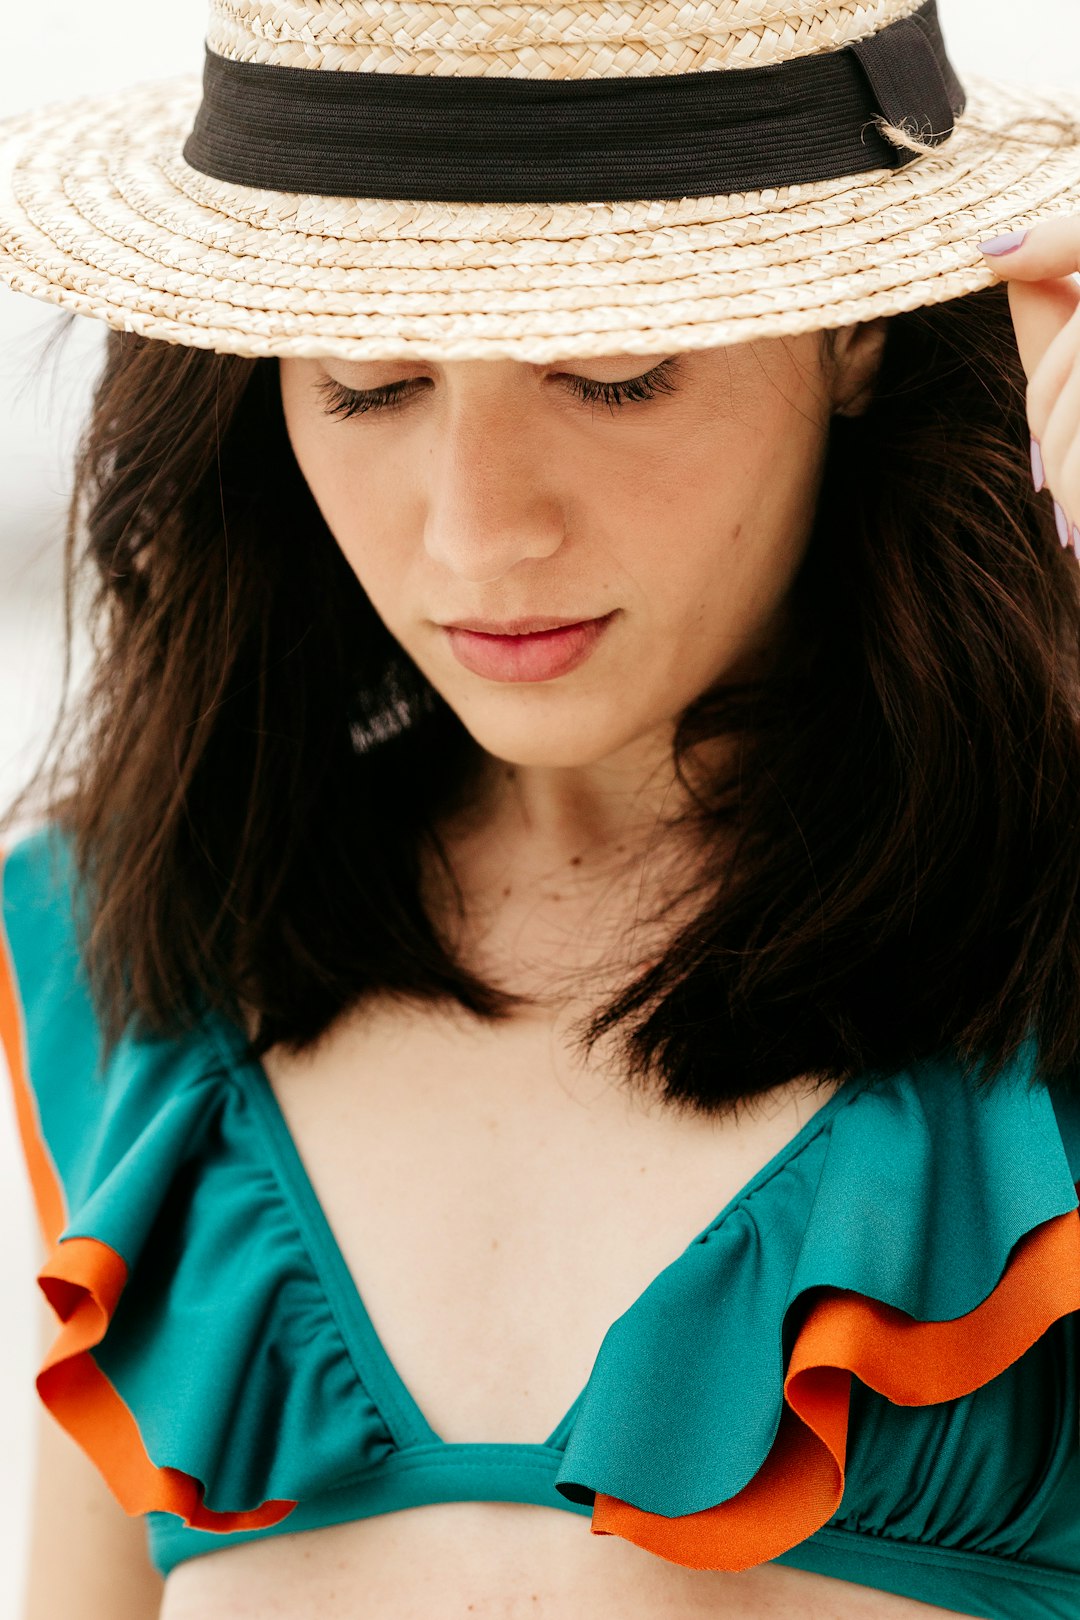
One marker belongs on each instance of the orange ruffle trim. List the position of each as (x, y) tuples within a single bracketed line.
[(799, 1486), (796, 1490), (83, 1280)]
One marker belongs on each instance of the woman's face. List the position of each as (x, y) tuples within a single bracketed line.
[(492, 491)]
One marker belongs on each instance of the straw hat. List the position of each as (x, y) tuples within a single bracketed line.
[(375, 179)]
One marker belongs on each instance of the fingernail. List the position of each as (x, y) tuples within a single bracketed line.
[(1062, 524), (998, 245), (1076, 541), (1038, 472)]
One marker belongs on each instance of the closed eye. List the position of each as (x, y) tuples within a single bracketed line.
[(343, 402)]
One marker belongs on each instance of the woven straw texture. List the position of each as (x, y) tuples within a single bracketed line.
[(568, 41), (100, 214)]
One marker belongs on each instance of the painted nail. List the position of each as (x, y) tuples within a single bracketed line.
[(1062, 521), (1038, 472), (998, 245), (1076, 541)]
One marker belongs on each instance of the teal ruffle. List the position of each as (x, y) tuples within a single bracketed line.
[(911, 1190), (223, 1343)]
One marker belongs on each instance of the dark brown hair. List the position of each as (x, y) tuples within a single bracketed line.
[(256, 768)]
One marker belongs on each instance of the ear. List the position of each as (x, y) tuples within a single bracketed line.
[(856, 358)]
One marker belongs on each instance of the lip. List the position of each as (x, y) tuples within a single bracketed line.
[(538, 654), (514, 627)]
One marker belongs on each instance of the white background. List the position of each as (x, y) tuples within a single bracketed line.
[(73, 48)]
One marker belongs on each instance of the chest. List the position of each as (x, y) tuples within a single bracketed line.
[(499, 1205)]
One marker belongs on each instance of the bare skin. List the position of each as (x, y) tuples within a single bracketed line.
[(493, 1194), (499, 1206), (493, 491)]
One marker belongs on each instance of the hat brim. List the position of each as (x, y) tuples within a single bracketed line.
[(99, 213)]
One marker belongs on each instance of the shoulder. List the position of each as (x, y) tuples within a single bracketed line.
[(36, 900), (78, 1118)]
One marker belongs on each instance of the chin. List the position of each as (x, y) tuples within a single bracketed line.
[(554, 742)]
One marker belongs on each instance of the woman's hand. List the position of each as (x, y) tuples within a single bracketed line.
[(1041, 266)]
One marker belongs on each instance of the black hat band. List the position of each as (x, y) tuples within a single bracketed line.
[(458, 138)]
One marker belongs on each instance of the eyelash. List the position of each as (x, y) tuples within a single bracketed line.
[(344, 402)]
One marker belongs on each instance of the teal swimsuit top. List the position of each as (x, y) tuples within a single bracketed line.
[(867, 1364)]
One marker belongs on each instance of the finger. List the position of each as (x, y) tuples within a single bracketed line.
[(1071, 477), (1049, 249), (1053, 368), (1042, 291), (1058, 439), (1041, 312), (1061, 457)]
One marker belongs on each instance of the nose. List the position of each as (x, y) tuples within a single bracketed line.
[(491, 500)]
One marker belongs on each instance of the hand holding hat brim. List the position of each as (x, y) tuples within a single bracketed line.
[(1044, 297)]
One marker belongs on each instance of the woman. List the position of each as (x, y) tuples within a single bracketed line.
[(580, 754)]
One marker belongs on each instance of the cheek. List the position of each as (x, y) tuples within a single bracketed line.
[(360, 504), (325, 470), (716, 545), (660, 508)]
